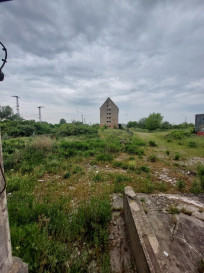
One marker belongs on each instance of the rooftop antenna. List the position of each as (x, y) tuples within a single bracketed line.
[(40, 116), (17, 105)]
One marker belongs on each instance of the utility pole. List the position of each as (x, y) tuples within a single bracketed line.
[(40, 116), (17, 105), (82, 117)]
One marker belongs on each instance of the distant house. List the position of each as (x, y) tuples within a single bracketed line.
[(109, 114), (199, 124)]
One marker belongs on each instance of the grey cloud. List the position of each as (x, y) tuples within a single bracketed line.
[(75, 53)]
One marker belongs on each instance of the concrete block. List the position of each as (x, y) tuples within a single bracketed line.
[(18, 266), (144, 244)]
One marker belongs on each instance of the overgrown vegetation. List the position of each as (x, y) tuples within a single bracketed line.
[(59, 187)]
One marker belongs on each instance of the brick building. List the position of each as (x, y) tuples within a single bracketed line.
[(109, 114)]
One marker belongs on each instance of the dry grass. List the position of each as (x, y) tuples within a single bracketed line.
[(43, 143)]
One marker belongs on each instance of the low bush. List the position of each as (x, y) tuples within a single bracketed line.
[(144, 169), (67, 175), (195, 188), (152, 158), (167, 152), (181, 185), (104, 158), (173, 210), (161, 186), (152, 143), (98, 177), (179, 134), (176, 157), (192, 144), (200, 173)]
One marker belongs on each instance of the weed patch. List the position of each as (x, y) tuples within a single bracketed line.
[(152, 143), (152, 158)]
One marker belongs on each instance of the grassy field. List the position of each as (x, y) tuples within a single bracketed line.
[(59, 190)]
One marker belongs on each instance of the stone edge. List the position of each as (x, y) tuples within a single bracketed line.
[(144, 244)]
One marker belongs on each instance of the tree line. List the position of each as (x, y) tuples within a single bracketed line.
[(155, 121)]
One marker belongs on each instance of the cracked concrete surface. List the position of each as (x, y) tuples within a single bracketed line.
[(181, 235)]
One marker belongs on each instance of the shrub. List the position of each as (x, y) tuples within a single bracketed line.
[(195, 188), (98, 177), (167, 152), (181, 185), (161, 186), (117, 164), (131, 158), (192, 144), (176, 157), (104, 158), (144, 169), (173, 210), (67, 175), (200, 173), (152, 143), (78, 170), (122, 178), (152, 158), (43, 143), (179, 134)]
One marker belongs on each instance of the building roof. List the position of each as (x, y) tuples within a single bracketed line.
[(111, 101)]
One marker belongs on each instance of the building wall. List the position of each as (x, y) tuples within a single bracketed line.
[(109, 114), (199, 123)]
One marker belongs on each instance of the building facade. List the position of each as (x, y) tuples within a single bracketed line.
[(199, 124), (109, 114)]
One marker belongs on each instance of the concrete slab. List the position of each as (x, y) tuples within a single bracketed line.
[(166, 232)]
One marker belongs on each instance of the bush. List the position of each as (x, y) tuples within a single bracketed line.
[(104, 158), (178, 134), (192, 144), (98, 177), (176, 157), (152, 158), (181, 185), (200, 173), (195, 188), (167, 152), (161, 186), (173, 210), (67, 175), (152, 143), (122, 178), (144, 169)]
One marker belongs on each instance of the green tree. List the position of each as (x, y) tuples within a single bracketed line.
[(166, 125), (153, 121), (62, 121), (6, 112), (142, 123), (132, 124)]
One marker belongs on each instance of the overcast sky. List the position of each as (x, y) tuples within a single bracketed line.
[(70, 55)]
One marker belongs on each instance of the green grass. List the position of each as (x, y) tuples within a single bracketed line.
[(68, 210)]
